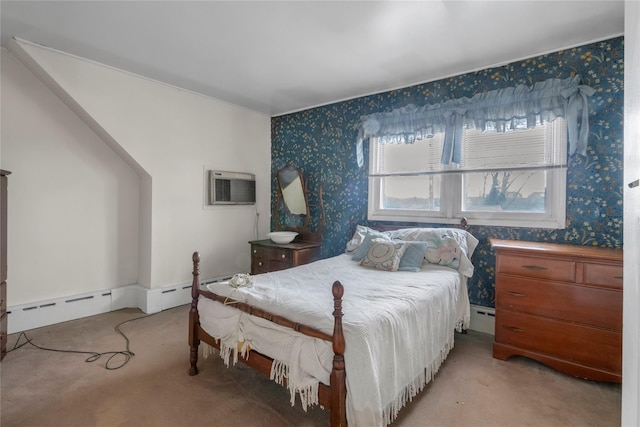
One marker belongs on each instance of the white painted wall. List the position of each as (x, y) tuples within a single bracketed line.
[(631, 316), (73, 203), (166, 137)]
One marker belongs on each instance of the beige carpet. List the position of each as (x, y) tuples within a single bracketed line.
[(43, 388)]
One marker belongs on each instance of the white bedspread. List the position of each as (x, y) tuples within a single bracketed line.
[(398, 326)]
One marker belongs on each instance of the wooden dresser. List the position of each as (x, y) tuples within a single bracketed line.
[(267, 256), (560, 305), (3, 262)]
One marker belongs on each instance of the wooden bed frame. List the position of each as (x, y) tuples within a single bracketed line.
[(332, 397)]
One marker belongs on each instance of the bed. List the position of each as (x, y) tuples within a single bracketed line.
[(403, 293)]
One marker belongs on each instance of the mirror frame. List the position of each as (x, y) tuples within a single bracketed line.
[(305, 234), (295, 174)]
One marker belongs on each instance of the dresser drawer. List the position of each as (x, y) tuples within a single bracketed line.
[(587, 305), (568, 341), (542, 268), (604, 275), (3, 298), (3, 334)]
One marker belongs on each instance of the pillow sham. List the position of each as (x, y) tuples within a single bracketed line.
[(413, 257), (452, 247), (384, 254), (357, 238), (362, 250), (445, 252)]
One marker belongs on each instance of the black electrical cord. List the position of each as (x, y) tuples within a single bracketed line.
[(128, 354)]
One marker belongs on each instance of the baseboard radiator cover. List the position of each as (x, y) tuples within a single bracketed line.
[(44, 313), (483, 319)]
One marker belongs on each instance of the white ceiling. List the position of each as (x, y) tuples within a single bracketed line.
[(278, 57)]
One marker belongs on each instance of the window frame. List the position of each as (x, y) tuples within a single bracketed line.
[(451, 210)]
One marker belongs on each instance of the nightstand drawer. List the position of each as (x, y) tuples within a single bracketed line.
[(542, 268), (279, 255), (265, 266), (601, 308), (564, 340), (271, 254), (267, 256)]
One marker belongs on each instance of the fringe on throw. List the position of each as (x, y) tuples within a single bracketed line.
[(228, 353), (417, 385), (308, 394), (279, 372), (207, 350)]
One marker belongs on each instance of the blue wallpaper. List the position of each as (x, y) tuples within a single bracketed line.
[(321, 142)]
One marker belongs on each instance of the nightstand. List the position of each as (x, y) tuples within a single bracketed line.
[(267, 256)]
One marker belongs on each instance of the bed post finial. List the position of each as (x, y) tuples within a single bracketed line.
[(194, 319), (338, 374), (196, 278), (464, 223)]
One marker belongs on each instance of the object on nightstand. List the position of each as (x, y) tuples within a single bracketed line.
[(282, 237)]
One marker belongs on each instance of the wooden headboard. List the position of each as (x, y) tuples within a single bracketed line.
[(464, 225)]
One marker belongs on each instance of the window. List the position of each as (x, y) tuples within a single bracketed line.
[(515, 178)]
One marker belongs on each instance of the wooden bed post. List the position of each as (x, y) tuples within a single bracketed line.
[(338, 374), (194, 319)]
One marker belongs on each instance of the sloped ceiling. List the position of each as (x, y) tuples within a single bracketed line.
[(278, 57)]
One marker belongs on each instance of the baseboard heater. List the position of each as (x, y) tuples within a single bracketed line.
[(483, 319), (44, 313)]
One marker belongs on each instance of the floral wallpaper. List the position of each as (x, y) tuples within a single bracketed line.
[(321, 142)]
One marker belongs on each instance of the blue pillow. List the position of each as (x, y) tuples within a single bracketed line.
[(413, 256), (361, 252)]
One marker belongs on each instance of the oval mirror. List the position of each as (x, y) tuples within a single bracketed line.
[(290, 183)]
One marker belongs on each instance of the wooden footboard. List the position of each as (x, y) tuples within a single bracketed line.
[(332, 396)]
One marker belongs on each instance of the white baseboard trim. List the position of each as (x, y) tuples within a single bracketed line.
[(483, 319), (44, 313)]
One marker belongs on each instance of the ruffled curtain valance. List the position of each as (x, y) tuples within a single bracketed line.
[(498, 110)]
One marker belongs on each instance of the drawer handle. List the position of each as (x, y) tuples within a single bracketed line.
[(517, 294), (260, 263), (617, 277), (535, 267), (255, 251), (514, 329), (283, 256)]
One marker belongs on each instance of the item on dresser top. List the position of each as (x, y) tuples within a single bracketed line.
[(282, 236)]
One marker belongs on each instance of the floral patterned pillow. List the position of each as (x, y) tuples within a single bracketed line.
[(384, 254)]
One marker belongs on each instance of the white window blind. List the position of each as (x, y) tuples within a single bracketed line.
[(513, 178)]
